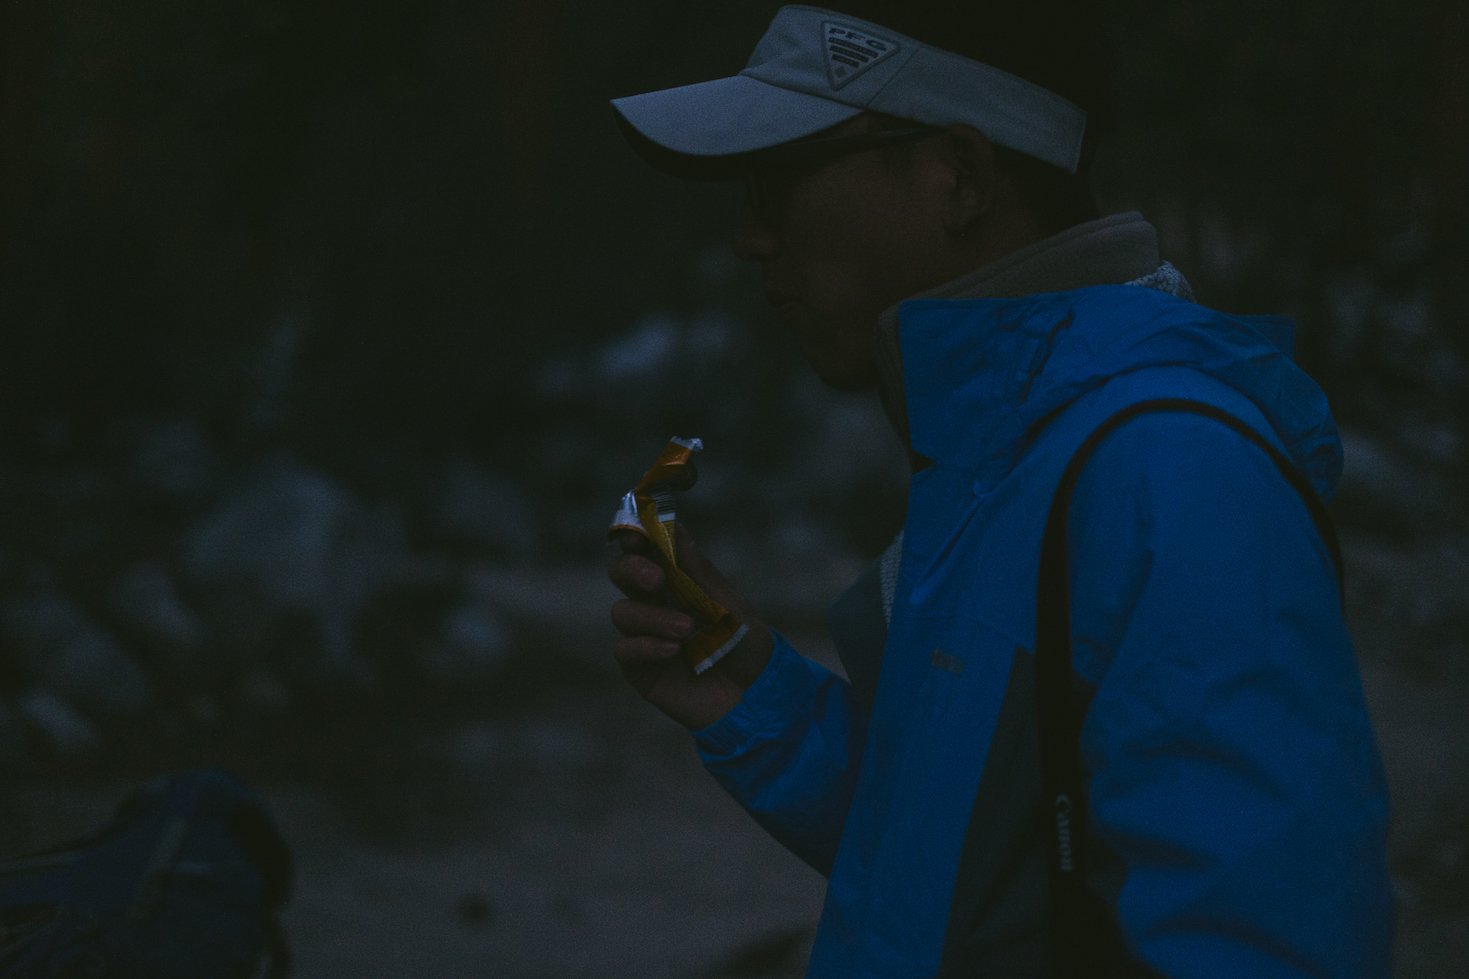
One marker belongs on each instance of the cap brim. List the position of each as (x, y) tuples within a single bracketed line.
[(705, 131)]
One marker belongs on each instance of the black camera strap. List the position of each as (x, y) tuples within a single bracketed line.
[(1085, 935)]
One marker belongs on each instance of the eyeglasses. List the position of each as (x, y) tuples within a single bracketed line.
[(771, 174)]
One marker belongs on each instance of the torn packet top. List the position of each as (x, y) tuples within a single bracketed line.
[(648, 510)]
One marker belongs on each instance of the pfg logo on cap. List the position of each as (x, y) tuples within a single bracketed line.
[(849, 52)]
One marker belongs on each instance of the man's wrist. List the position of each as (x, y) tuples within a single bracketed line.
[(758, 705), (732, 676), (744, 664)]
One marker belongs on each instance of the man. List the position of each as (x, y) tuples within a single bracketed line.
[(921, 226)]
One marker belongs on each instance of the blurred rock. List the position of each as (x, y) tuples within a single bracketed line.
[(1410, 604), (558, 378), (173, 459), (475, 910), (12, 736), (1437, 864), (712, 335), (262, 692), (269, 372), (565, 606), (1350, 298), (552, 744), (202, 709), (479, 745), (304, 543), (65, 730), (1437, 443), (574, 465), (652, 344), (68, 652), (1380, 492), (481, 507), (145, 598), (568, 907), (774, 954), (472, 644)]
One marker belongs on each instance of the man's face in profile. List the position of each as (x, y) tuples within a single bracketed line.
[(842, 239)]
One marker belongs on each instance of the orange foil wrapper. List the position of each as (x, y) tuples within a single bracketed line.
[(649, 511)]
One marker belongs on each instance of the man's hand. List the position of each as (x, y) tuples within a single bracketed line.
[(650, 653)]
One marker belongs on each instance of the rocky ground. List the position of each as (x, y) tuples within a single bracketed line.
[(1410, 615), (563, 829)]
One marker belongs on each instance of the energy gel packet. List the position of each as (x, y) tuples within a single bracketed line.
[(649, 511)]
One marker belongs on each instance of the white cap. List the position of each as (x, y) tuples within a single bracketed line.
[(815, 68)]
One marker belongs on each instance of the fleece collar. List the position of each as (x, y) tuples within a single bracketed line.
[(1109, 251)]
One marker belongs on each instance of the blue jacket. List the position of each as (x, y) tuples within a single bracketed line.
[(1236, 788)]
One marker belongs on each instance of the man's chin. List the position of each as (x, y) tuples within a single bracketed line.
[(840, 368)]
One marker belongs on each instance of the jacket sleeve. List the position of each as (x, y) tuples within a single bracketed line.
[(1233, 766), (789, 753)]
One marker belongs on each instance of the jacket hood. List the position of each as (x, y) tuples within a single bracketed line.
[(982, 376)]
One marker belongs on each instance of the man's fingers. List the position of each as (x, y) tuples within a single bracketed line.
[(633, 542), (703, 571), (636, 576), (634, 618), (635, 653)]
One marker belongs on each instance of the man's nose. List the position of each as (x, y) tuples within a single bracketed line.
[(754, 238)]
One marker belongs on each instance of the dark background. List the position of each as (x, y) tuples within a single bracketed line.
[(330, 332)]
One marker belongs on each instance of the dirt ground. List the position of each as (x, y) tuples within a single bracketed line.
[(565, 829)]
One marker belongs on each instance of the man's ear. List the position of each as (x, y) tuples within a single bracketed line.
[(972, 196)]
